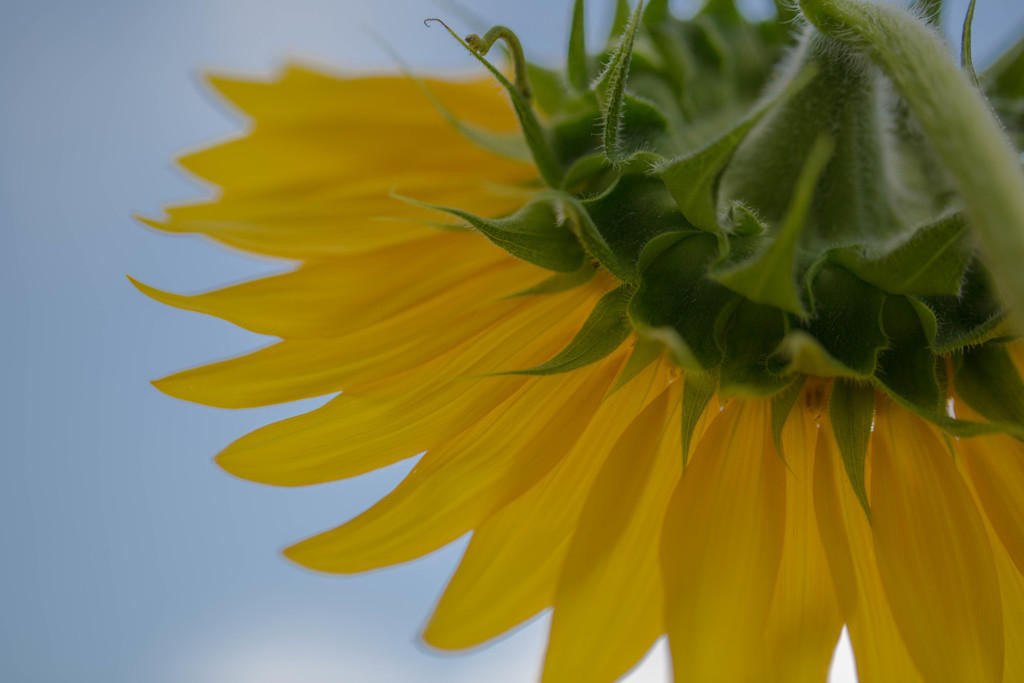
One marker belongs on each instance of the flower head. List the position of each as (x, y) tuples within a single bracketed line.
[(696, 339)]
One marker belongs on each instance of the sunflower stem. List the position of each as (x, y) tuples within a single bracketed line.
[(953, 114)]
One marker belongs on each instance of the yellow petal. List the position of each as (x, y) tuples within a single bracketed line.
[(608, 603), (316, 300), (996, 466), (721, 547), (459, 484), (415, 338), (1011, 581), (398, 417), (1011, 586), (933, 553), (804, 620), (303, 93), (846, 536), (513, 560)]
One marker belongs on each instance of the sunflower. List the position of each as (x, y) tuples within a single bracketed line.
[(705, 336)]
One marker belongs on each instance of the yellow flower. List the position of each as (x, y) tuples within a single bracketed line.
[(700, 388)]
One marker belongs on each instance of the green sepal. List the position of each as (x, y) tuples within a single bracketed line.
[(611, 88), (698, 388), (753, 333), (953, 426), (847, 320), (743, 222), (543, 157), (931, 261), (585, 169), (620, 19), (966, 60), (559, 282), (511, 146), (549, 90), (799, 352), (644, 353), (676, 302), (533, 234), (592, 240), (722, 10), (770, 277), (986, 378), (656, 12), (851, 409), (603, 331), (632, 212), (693, 179), (781, 406), (969, 317), (907, 368), (1005, 78), (577, 63)]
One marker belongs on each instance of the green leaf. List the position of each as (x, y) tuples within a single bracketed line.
[(611, 88), (907, 366), (851, 410), (782, 406), (644, 353), (770, 277), (532, 233), (692, 179), (698, 388), (966, 60), (559, 282), (543, 157), (577, 64), (968, 317), (931, 261), (987, 379), (603, 331), (753, 333), (676, 302)]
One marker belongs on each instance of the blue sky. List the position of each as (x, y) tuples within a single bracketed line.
[(129, 555)]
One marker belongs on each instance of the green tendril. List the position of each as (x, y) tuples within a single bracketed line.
[(483, 45)]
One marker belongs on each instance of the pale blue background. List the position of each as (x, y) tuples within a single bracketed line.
[(127, 555)]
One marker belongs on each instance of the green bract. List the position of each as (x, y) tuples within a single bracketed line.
[(802, 196)]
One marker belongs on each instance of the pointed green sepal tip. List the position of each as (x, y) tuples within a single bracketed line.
[(577, 67), (769, 277), (698, 389), (645, 352), (611, 89), (693, 179), (603, 331), (987, 379), (533, 132), (781, 406), (533, 234), (851, 410)]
